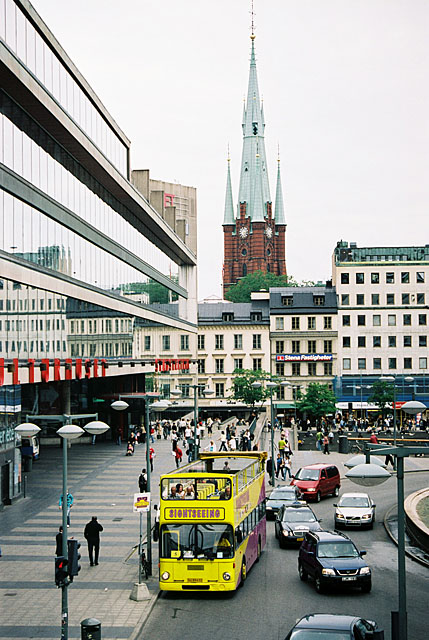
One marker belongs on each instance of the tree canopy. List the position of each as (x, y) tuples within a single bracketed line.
[(258, 281), (318, 400), (242, 386), (381, 395)]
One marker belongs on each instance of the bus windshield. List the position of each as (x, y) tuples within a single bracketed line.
[(209, 488), (197, 541)]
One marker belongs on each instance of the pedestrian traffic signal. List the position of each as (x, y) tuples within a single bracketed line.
[(61, 571), (74, 557)]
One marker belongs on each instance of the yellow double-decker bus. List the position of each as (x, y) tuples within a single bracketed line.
[(212, 521)]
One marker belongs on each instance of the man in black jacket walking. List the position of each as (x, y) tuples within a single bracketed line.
[(92, 535)]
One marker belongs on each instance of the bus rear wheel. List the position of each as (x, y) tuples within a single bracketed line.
[(243, 571)]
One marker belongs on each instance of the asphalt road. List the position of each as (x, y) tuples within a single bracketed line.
[(274, 597)]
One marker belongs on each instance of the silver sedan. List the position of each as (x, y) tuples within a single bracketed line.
[(355, 510)]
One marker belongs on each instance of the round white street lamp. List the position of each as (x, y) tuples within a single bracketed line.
[(208, 392), (119, 405), (368, 475), (413, 407), (96, 427), (361, 459), (158, 405), (176, 393), (70, 432), (271, 384), (27, 429), (256, 384)]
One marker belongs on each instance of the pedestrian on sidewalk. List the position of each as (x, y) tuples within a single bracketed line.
[(178, 453), (269, 469), (152, 455), (325, 444), (69, 505), (288, 470), (92, 535), (143, 481), (222, 441), (59, 542)]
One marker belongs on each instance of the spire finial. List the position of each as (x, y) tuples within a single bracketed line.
[(228, 157), (278, 152), (252, 35)]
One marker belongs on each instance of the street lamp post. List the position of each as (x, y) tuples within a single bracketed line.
[(271, 386), (369, 474)]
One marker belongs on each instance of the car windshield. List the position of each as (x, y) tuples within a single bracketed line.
[(316, 634), (197, 541), (307, 474), (283, 494), (337, 550), (354, 501), (299, 515)]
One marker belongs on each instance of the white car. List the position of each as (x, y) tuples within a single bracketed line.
[(355, 510)]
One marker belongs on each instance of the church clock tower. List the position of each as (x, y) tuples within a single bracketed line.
[(254, 234)]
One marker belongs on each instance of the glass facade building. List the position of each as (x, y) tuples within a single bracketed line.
[(87, 265)]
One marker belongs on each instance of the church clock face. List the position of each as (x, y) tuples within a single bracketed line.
[(243, 232), (269, 232)]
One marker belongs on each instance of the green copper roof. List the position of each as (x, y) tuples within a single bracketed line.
[(254, 185), (279, 213), (228, 217)]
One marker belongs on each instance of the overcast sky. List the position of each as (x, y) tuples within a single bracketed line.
[(346, 96)]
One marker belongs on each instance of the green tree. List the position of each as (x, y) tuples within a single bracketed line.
[(157, 292), (382, 395), (317, 401), (242, 389), (258, 281)]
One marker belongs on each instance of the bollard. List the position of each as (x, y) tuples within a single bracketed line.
[(90, 629)]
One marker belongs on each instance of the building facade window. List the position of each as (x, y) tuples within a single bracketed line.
[(184, 342), (346, 342), (346, 321), (147, 343), (311, 322), (361, 341), (327, 322), (420, 298), (407, 341), (201, 365), (376, 320), (345, 299), (345, 279), (257, 341), (390, 277), (391, 320), (219, 389), (166, 343), (280, 324), (376, 363), (219, 365), (280, 346), (296, 368), (376, 341), (422, 319), (311, 346), (405, 277), (408, 363), (257, 364), (312, 368), (360, 278), (390, 298), (296, 346), (238, 341), (201, 342), (391, 341), (361, 320), (238, 363), (327, 346), (420, 277), (287, 301), (280, 369), (319, 301), (360, 299), (327, 368), (375, 278), (406, 319), (361, 363), (219, 341), (423, 363), (405, 298), (295, 323), (347, 364), (375, 299), (423, 341), (392, 363)]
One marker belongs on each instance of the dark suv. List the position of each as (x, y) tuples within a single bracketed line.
[(332, 559)]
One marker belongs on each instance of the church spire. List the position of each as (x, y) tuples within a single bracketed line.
[(279, 213), (253, 143), (228, 217)]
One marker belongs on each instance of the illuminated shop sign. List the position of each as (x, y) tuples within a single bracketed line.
[(305, 357), (171, 364)]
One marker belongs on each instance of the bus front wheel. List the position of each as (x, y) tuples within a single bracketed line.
[(243, 571)]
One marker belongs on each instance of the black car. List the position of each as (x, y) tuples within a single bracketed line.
[(279, 497), (293, 522), (332, 559), (325, 626)]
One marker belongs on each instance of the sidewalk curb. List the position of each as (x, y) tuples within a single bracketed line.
[(144, 617), (392, 537)]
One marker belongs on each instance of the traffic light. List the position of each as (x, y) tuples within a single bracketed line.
[(61, 571), (74, 557)]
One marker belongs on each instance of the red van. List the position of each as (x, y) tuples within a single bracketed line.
[(317, 480)]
